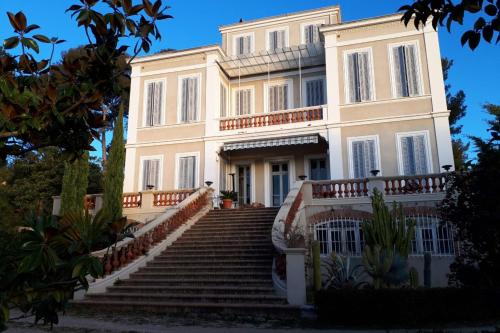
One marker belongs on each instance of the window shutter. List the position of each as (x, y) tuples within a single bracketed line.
[(272, 99), (407, 152), (248, 45), (358, 159), (184, 100), (150, 174), (223, 101), (154, 103), (187, 169), (370, 156), (150, 104), (284, 93), (311, 34), (414, 154), (420, 155), (365, 76), (248, 100), (352, 66), (314, 93), (412, 70)]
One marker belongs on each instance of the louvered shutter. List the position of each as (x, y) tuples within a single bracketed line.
[(365, 76), (314, 93), (311, 34), (223, 101), (412, 70), (370, 156), (420, 155), (185, 100), (154, 103), (189, 107), (187, 167), (243, 102), (352, 67), (358, 159), (414, 154), (400, 71)]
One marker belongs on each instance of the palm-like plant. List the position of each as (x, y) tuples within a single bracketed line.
[(340, 274)]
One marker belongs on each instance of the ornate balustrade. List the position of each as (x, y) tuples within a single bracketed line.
[(170, 198), (272, 118), (337, 189), (433, 183), (132, 200), (153, 233)]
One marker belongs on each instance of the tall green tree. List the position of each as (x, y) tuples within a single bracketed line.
[(74, 186), (114, 174), (471, 206), (458, 110)]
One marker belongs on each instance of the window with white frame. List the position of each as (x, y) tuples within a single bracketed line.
[(344, 236), (243, 100), (314, 91), (414, 156), (310, 33), (364, 156), (187, 172), (154, 103), (359, 76), (223, 101), (406, 70), (190, 99), (151, 174), (243, 44), (223, 173), (277, 39), (279, 96)]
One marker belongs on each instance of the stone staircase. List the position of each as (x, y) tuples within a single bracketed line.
[(220, 265)]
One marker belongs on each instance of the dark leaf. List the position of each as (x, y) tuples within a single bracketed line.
[(31, 44), (491, 10), (31, 28), (466, 36), (474, 40), (480, 22), (42, 38), (488, 33), (73, 8), (10, 43), (13, 21), (21, 20)]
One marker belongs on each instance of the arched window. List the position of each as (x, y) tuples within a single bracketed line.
[(341, 235), (431, 235)]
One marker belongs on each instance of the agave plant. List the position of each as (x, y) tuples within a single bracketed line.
[(340, 274)]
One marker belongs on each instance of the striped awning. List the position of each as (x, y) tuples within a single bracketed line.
[(277, 142)]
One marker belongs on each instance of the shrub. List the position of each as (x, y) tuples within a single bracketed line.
[(407, 307)]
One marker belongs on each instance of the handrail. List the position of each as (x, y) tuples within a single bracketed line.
[(430, 183), (170, 198), (282, 224), (154, 232), (305, 108)]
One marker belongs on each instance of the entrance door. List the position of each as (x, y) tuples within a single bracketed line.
[(244, 185), (280, 183)]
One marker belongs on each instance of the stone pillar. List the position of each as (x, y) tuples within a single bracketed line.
[(332, 77), (212, 104), (296, 276), (211, 172)]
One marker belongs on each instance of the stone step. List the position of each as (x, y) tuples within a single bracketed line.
[(226, 241), (230, 252), (230, 233), (204, 274), (215, 256), (237, 238), (212, 262), (201, 267), (236, 223), (190, 289), (188, 298), (196, 282), (231, 227), (228, 247), (221, 309), (222, 218)]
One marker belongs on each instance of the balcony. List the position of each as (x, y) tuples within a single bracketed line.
[(272, 118)]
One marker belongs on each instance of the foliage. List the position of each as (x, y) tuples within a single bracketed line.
[(388, 239), (74, 186), (407, 307), (470, 206), (294, 236), (414, 280), (446, 13), (341, 275), (458, 110), (114, 176), (61, 105), (229, 195), (316, 261)]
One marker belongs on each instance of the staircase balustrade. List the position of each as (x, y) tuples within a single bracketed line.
[(170, 198)]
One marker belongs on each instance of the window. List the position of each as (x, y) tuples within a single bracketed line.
[(223, 173), (223, 101), (342, 236), (154, 103), (277, 39), (279, 97), (243, 101), (364, 156), (359, 77), (150, 174), (310, 33), (314, 91), (243, 44), (431, 235), (190, 99), (414, 154), (405, 70), (187, 166), (318, 169)]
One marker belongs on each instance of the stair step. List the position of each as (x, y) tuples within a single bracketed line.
[(216, 234), (196, 282), (205, 274), (214, 256), (178, 307), (191, 289), (233, 229), (191, 298), (227, 247), (196, 269), (231, 252), (228, 241), (213, 262)]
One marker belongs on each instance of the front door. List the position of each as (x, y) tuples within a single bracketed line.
[(244, 185), (279, 183)]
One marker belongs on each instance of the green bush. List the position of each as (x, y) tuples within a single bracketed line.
[(407, 307)]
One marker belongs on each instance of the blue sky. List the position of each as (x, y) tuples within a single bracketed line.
[(195, 23)]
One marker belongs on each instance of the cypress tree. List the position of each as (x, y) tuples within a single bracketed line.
[(114, 173), (75, 183)]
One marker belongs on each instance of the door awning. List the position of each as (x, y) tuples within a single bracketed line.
[(276, 142), (305, 55)]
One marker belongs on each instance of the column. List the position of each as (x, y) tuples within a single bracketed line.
[(332, 77), (133, 124), (212, 104), (211, 172), (335, 153), (443, 143)]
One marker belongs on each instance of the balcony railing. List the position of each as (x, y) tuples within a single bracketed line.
[(397, 185), (272, 118)]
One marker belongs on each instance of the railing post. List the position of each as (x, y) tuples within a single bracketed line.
[(296, 276), (147, 199), (376, 182)]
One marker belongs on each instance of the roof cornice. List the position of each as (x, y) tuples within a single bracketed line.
[(179, 53), (361, 23)]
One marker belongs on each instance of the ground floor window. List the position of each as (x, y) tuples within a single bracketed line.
[(344, 236), (150, 174), (318, 169), (187, 171)]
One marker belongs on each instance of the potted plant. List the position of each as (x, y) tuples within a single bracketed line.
[(227, 198)]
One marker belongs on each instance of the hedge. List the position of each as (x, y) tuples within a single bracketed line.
[(407, 307)]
